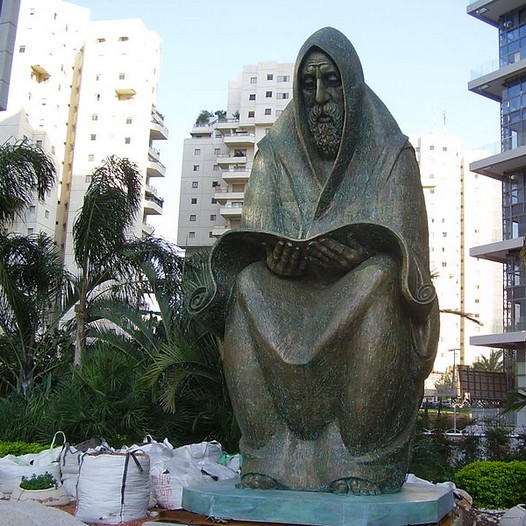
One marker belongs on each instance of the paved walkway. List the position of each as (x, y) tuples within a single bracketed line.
[(31, 514)]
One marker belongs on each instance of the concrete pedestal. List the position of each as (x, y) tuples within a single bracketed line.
[(414, 504)]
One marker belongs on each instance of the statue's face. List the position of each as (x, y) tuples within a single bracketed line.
[(322, 90), (320, 80)]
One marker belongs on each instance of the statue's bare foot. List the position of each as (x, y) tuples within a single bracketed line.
[(355, 486), (258, 481)]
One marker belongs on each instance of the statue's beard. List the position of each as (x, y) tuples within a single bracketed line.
[(326, 135)]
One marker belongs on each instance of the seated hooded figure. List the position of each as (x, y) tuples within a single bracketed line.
[(323, 301)]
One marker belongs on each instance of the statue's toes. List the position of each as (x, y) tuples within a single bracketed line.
[(258, 481)]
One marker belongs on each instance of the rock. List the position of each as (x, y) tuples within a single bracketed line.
[(515, 516), (31, 514)]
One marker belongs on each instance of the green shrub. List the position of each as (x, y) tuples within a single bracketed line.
[(19, 448), (44, 481), (494, 484)]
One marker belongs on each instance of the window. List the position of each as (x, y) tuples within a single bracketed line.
[(213, 200), (283, 78), (444, 234), (431, 147), (196, 167), (193, 217), (22, 49), (253, 80), (93, 137), (268, 111), (94, 117), (97, 96), (444, 263), (252, 96), (217, 151), (215, 184), (213, 217), (87, 178), (91, 157), (283, 96), (195, 184), (251, 114), (191, 235), (100, 40), (268, 94), (127, 140), (129, 120), (210, 233), (98, 77), (30, 231), (197, 151), (444, 148), (216, 168), (32, 209), (193, 201), (122, 76), (39, 143), (270, 76), (46, 215), (123, 39)]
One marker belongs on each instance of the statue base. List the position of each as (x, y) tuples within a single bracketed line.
[(414, 504)]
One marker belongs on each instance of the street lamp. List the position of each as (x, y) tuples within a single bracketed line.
[(454, 381)]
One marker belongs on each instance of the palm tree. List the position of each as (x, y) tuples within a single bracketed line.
[(493, 364), (34, 290), (25, 170), (100, 230)]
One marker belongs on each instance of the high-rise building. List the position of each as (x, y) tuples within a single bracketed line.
[(84, 90), (468, 289), (8, 21), (504, 81), (218, 157)]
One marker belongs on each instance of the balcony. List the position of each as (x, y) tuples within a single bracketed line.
[(227, 124), (202, 129), (491, 84), (157, 128), (125, 93), (236, 174), (218, 231), (227, 159), (232, 210), (239, 139), (147, 229), (499, 165), (39, 73), (489, 11), (153, 205), (155, 169), (154, 153), (222, 195), (497, 251)]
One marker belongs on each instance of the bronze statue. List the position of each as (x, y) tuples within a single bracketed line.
[(323, 300)]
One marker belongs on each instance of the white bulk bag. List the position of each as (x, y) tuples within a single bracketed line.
[(13, 468), (113, 487)]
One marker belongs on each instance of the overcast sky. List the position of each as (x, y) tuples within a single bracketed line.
[(417, 55)]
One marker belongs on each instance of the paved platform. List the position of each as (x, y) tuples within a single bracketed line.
[(414, 504)]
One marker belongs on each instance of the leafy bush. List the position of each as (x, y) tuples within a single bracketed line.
[(20, 448), (494, 484), (44, 481), (20, 419), (431, 458)]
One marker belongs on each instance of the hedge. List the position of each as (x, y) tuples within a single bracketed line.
[(494, 484)]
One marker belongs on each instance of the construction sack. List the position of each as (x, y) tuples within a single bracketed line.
[(113, 487), (13, 468)]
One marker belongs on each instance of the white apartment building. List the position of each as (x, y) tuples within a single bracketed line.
[(83, 90), (462, 210), (8, 22), (218, 157)]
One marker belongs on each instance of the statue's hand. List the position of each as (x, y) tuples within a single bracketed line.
[(286, 259), (334, 257)]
